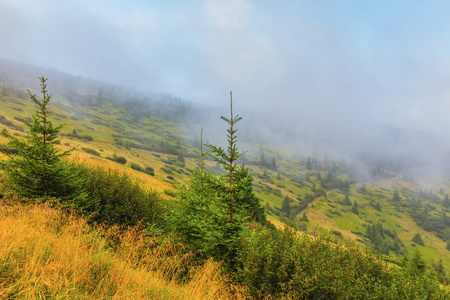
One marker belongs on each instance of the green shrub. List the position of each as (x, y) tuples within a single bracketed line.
[(91, 151), (22, 120), (149, 171), (277, 192), (39, 169), (80, 137), (285, 264), (167, 170), (121, 160), (170, 192), (5, 121), (116, 198), (136, 167)]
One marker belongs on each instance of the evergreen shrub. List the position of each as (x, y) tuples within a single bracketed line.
[(289, 265), (116, 198)]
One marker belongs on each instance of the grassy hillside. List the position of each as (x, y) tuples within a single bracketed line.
[(151, 138)]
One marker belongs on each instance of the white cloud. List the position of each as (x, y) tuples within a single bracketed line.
[(228, 15)]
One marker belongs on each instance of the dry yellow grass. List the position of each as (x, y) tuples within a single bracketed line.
[(45, 253)]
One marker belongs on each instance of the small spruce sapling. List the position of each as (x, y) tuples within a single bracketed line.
[(227, 158), (210, 218), (40, 169), (355, 208)]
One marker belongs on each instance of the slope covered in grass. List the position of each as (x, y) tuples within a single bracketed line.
[(145, 139), (46, 253)]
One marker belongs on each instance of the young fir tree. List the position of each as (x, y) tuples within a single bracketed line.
[(395, 197), (418, 239), (181, 159), (309, 164), (355, 208), (39, 169), (211, 217), (346, 200), (247, 198), (446, 201), (417, 264), (286, 205)]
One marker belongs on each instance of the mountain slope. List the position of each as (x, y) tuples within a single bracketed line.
[(155, 135)]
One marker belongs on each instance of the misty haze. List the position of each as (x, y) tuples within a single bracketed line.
[(345, 77)]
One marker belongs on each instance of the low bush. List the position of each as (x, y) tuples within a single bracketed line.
[(91, 151), (286, 264), (277, 192), (166, 170), (5, 121), (136, 167), (22, 120), (80, 137), (170, 192), (149, 171), (115, 198), (121, 160)]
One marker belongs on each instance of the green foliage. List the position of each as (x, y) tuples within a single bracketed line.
[(278, 176), (304, 218), (149, 171), (120, 159), (8, 149), (346, 200), (91, 151), (170, 192), (418, 239), (180, 159), (446, 202), (309, 164), (10, 124), (80, 137), (39, 168), (211, 215), (115, 198), (285, 264), (136, 167), (167, 170), (355, 208), (7, 122), (272, 165), (395, 197), (384, 240), (417, 265), (286, 205), (247, 199), (377, 206), (277, 192)]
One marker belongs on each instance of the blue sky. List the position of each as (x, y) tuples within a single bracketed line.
[(347, 62)]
